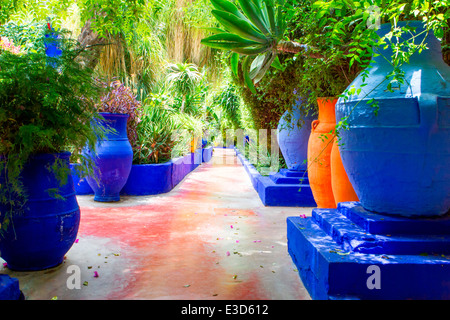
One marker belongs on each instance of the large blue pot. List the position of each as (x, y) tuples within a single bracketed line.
[(40, 236), (294, 129), (113, 159), (399, 160)]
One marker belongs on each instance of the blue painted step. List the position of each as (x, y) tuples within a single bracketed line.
[(351, 237), (280, 178), (333, 252), (274, 193), (329, 272), (376, 223)]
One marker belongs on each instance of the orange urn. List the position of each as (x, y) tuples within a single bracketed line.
[(319, 153), (342, 188)]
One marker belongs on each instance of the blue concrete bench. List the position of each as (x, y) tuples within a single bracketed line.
[(149, 179)]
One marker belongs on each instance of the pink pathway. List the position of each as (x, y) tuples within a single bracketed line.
[(209, 238)]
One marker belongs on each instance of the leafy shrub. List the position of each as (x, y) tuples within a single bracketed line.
[(155, 134), (43, 110), (121, 99)]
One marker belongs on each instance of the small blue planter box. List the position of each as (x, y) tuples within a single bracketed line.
[(285, 188), (9, 288), (207, 154), (82, 187), (336, 251), (149, 179)]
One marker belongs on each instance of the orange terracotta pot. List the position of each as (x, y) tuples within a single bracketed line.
[(319, 153), (342, 188)]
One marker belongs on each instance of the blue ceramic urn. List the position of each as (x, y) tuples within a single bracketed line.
[(293, 133), (398, 160), (113, 159), (41, 234)]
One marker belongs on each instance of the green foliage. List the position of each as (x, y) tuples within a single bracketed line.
[(155, 133), (274, 95), (112, 16), (44, 109), (253, 29), (183, 77), (228, 100), (26, 36)]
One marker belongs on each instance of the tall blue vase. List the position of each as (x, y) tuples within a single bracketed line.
[(294, 129), (39, 236), (113, 159), (399, 160)]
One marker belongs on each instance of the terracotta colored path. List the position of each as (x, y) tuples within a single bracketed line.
[(209, 238)]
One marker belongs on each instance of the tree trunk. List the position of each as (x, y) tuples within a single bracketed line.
[(93, 44), (294, 47)]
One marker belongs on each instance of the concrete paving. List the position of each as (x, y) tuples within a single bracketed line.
[(209, 238)]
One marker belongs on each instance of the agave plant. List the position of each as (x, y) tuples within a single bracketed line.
[(254, 30)]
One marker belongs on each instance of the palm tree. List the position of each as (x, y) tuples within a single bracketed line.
[(183, 78)]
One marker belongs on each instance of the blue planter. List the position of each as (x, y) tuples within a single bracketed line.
[(148, 179), (81, 186), (293, 134), (40, 236), (52, 48), (207, 154), (113, 159), (398, 161)]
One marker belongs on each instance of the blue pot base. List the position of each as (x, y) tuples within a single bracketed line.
[(107, 198), (36, 267), (334, 249)]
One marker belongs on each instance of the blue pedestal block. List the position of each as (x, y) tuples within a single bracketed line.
[(285, 188), (336, 251), (9, 288)]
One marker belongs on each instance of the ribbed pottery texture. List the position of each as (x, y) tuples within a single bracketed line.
[(113, 159), (40, 236), (399, 160), (293, 136)]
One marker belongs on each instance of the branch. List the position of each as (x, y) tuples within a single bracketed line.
[(295, 47)]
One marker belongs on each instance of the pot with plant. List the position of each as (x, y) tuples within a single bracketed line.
[(397, 146), (44, 112), (293, 133), (113, 154)]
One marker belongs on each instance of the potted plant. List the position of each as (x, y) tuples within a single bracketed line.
[(396, 112), (45, 112), (113, 154), (151, 172)]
